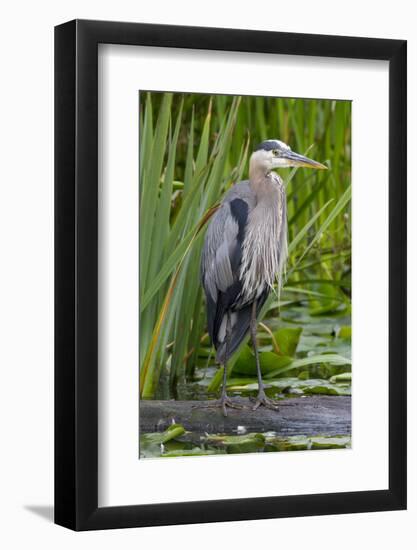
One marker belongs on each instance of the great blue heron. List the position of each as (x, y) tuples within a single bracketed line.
[(244, 253)]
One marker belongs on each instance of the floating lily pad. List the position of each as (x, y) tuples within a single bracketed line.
[(157, 438), (345, 332), (331, 358), (293, 385), (294, 443), (152, 444), (269, 361), (197, 451), (326, 389), (312, 386), (287, 339), (219, 444), (246, 443), (338, 442), (344, 377)]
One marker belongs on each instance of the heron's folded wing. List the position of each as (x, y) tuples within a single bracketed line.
[(221, 260), (222, 250)]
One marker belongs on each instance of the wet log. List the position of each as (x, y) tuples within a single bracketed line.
[(315, 415)]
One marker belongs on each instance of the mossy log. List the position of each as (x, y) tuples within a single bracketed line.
[(315, 415)]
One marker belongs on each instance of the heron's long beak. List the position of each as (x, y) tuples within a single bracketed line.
[(299, 160)]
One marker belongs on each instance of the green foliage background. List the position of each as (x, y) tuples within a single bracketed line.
[(192, 148)]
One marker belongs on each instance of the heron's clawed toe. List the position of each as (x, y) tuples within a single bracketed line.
[(223, 403), (227, 402), (233, 405), (264, 401)]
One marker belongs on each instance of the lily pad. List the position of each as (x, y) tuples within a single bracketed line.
[(157, 438), (287, 339), (345, 332), (152, 444), (291, 385), (196, 451), (338, 442), (311, 386), (344, 377), (331, 358), (246, 443), (269, 361), (326, 389), (293, 443)]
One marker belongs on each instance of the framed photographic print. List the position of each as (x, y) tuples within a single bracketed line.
[(230, 274)]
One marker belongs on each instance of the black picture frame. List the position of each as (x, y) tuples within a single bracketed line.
[(76, 272)]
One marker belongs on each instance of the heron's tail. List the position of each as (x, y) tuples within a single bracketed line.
[(240, 325)]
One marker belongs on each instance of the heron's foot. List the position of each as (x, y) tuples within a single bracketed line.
[(224, 402), (263, 401)]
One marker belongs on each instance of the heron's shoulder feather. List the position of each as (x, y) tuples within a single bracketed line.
[(241, 190)]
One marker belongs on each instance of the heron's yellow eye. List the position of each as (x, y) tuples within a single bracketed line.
[(275, 152)]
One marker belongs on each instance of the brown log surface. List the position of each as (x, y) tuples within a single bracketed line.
[(315, 415)]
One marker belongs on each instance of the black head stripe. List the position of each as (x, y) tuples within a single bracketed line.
[(268, 145)]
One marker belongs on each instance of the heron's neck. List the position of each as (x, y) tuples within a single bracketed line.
[(257, 172), (265, 184)]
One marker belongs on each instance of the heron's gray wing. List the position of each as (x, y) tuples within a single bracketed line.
[(222, 246), (220, 263)]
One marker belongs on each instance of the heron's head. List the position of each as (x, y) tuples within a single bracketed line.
[(272, 154)]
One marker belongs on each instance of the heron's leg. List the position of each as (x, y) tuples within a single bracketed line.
[(224, 401), (228, 335), (262, 398)]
